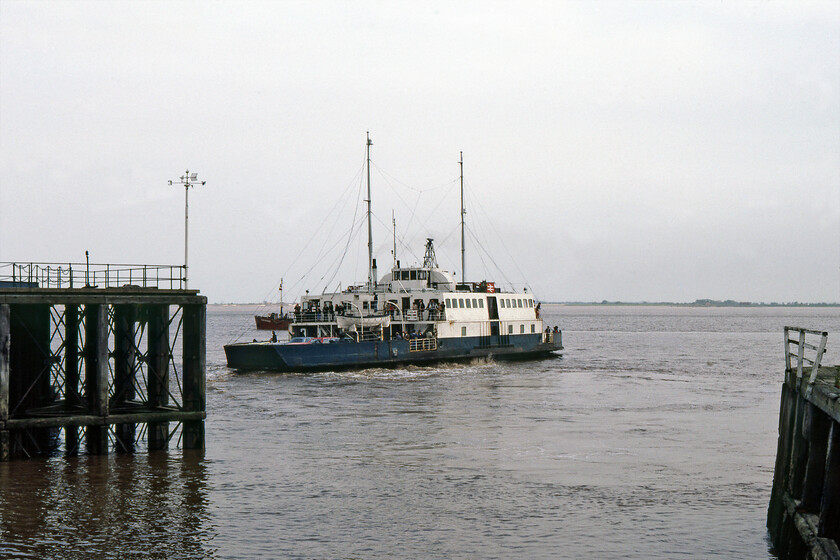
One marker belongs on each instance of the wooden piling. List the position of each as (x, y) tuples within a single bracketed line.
[(830, 504)]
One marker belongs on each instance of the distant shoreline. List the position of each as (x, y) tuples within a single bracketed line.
[(697, 303)]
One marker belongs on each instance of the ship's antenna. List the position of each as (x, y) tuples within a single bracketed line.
[(461, 163), (370, 231), (394, 221)]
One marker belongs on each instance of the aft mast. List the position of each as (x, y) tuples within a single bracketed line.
[(461, 163), (370, 231)]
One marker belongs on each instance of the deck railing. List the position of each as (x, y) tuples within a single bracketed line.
[(90, 275), (421, 344), (329, 316), (802, 348), (550, 336)]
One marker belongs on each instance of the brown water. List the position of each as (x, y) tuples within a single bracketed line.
[(653, 437)]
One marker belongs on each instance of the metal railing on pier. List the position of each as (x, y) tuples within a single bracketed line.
[(90, 275)]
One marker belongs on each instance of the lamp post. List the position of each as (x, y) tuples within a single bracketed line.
[(188, 180)]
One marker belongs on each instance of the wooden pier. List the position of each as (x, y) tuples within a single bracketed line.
[(99, 358), (804, 513)]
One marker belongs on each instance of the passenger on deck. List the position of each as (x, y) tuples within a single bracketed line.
[(433, 307)]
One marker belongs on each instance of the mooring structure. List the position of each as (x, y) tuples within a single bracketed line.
[(95, 358), (804, 513)]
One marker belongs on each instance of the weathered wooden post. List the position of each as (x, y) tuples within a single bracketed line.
[(157, 382), (780, 482), (817, 426), (799, 446), (829, 526)]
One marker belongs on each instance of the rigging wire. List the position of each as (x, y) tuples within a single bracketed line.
[(385, 173), (351, 235), (339, 201), (477, 204)]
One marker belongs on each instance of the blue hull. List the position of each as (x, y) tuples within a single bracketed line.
[(347, 355)]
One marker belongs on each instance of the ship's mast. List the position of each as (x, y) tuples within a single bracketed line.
[(394, 221), (461, 163), (370, 231)]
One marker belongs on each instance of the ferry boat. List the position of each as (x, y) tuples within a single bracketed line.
[(410, 315)]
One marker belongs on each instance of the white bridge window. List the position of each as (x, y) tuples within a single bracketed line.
[(463, 331)]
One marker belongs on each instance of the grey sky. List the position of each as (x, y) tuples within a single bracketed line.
[(613, 150)]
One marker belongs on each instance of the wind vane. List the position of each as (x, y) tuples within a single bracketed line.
[(188, 180)]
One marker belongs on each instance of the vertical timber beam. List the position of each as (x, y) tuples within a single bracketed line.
[(780, 473), (5, 339), (799, 445), (817, 429), (829, 526), (72, 399), (194, 372), (158, 372), (125, 357), (96, 374)]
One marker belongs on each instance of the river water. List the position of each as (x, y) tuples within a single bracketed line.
[(653, 437)]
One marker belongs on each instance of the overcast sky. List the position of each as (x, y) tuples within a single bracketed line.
[(612, 150)]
